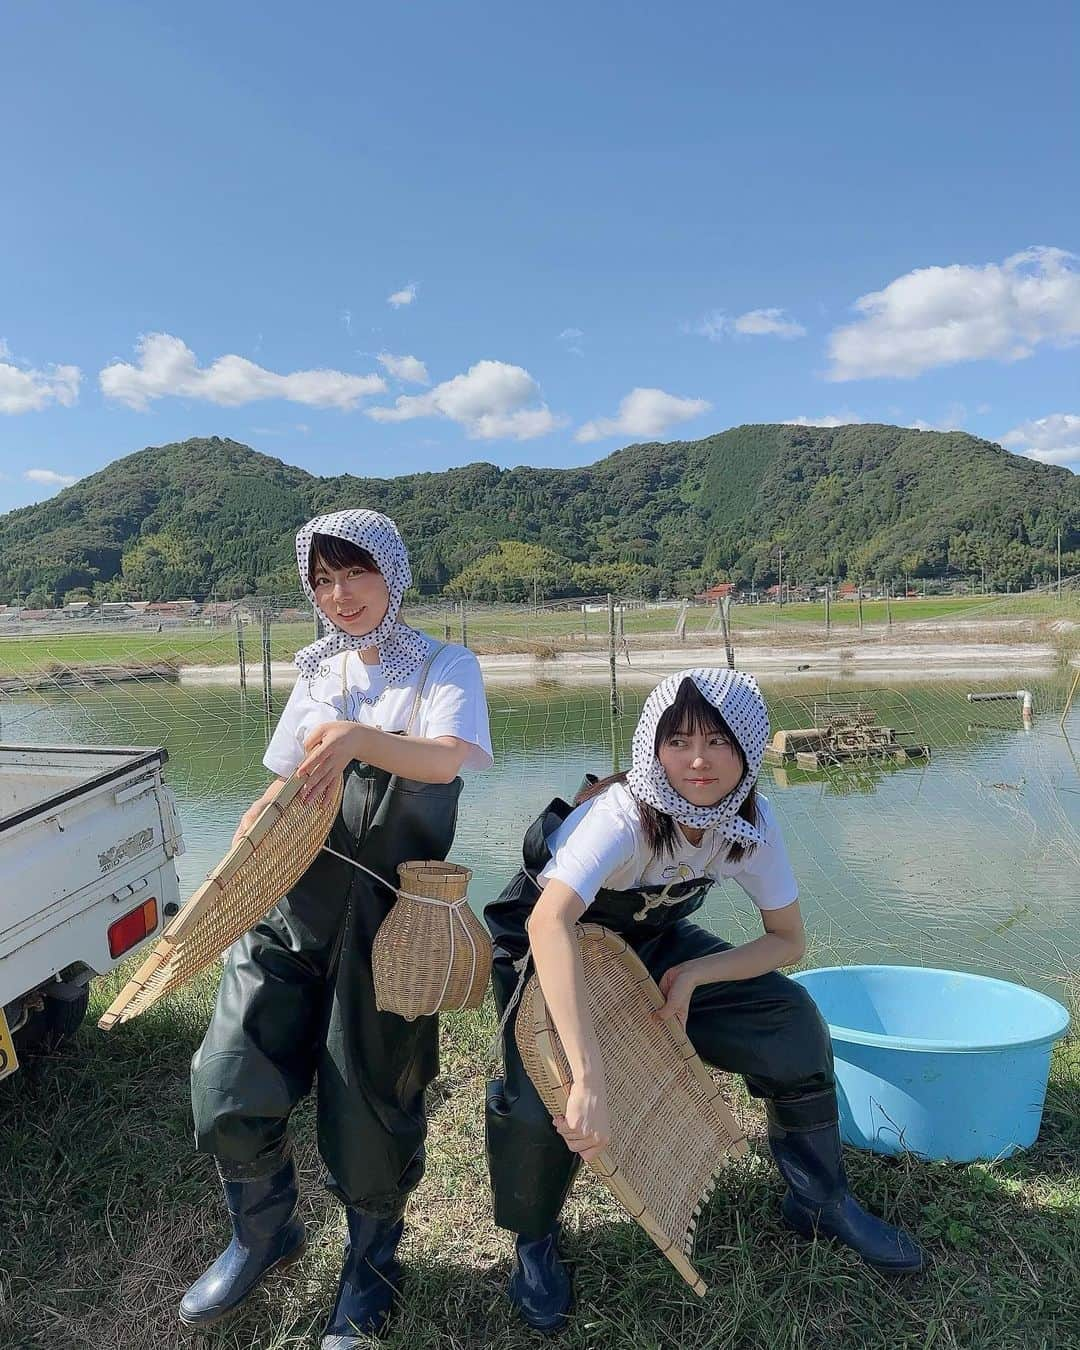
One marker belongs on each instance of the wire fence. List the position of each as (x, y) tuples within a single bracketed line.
[(949, 834)]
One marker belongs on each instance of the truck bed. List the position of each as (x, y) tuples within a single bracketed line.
[(85, 833)]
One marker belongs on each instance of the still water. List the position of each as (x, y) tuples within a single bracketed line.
[(970, 860)]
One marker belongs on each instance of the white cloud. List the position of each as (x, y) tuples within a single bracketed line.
[(407, 368), (769, 323), (405, 296), (643, 415), (840, 419), (1054, 439), (938, 316), (754, 323), (491, 400), (50, 478), (167, 367), (23, 389)]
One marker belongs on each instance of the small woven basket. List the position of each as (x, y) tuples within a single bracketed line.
[(431, 953)]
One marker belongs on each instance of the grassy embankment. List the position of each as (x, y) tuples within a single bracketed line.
[(107, 1216)]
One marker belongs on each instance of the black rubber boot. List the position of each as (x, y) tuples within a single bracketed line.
[(540, 1287), (369, 1281), (818, 1200), (267, 1235)]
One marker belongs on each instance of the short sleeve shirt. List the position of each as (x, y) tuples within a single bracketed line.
[(601, 844), (452, 704)]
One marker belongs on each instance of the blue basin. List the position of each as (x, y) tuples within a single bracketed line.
[(935, 1062)]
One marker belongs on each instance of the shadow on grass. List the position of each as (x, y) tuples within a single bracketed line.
[(107, 1216)]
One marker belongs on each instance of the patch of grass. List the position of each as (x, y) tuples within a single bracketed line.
[(107, 1215)]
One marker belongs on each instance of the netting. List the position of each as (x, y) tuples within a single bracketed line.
[(969, 858)]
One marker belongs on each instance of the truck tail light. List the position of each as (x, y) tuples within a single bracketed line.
[(125, 933)]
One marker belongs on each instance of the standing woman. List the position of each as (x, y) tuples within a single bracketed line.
[(400, 715), (637, 855)]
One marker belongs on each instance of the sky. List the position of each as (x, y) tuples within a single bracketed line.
[(380, 239)]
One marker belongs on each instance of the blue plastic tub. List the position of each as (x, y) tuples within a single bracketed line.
[(937, 1063)]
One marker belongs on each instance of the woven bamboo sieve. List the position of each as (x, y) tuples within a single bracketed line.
[(670, 1129), (431, 954), (264, 863)]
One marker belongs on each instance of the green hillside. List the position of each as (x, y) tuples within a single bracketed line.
[(213, 516)]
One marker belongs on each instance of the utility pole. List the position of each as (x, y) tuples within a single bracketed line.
[(780, 577)]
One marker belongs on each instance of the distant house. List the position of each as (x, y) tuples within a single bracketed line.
[(36, 615), (8, 613), (848, 590), (721, 591), (220, 611), (294, 615), (117, 609), (172, 609), (78, 609)]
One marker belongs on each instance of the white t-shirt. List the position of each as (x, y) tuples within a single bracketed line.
[(452, 704), (601, 843)]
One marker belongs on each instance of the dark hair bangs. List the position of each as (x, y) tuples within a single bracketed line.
[(327, 550), (691, 712)]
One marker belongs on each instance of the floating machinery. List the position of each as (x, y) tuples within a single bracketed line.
[(845, 731)]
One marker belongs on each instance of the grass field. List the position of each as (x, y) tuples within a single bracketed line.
[(107, 1216), (515, 628)]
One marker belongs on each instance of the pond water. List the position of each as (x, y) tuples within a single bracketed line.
[(970, 860)]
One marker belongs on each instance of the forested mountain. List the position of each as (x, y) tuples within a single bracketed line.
[(863, 502)]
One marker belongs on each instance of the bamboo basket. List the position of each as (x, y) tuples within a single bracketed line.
[(266, 861), (431, 954), (670, 1129)]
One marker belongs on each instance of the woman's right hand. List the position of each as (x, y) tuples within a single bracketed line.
[(585, 1128)]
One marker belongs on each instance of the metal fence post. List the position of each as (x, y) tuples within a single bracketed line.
[(241, 657), (268, 701)]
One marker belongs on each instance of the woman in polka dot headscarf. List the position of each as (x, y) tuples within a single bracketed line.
[(637, 853), (400, 715)]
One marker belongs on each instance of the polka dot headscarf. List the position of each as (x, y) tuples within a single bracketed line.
[(738, 700), (402, 651)]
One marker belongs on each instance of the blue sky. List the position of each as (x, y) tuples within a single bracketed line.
[(380, 239)]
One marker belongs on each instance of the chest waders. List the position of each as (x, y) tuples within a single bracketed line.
[(297, 1004), (767, 1029)]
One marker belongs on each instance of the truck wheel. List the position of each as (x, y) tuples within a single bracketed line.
[(46, 1028)]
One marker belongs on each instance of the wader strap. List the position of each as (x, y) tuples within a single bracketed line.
[(521, 965)]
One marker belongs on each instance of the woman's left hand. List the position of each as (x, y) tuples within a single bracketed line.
[(677, 985), (331, 748)]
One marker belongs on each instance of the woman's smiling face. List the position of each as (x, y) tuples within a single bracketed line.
[(703, 766), (354, 598)]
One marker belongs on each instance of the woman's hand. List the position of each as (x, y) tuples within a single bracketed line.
[(248, 819), (677, 986), (331, 748), (585, 1128), (253, 812)]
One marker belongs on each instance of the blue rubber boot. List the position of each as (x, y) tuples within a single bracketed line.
[(369, 1281), (540, 1287), (267, 1235), (819, 1203)]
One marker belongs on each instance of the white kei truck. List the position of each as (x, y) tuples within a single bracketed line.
[(88, 838)]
